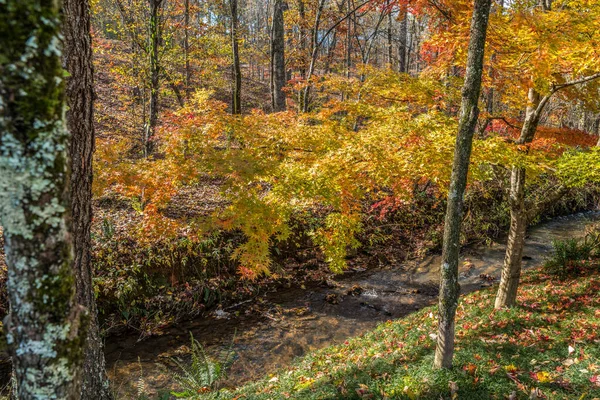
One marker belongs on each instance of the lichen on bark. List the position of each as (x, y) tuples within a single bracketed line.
[(45, 327)]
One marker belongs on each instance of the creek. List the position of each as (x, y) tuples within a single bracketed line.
[(288, 323)]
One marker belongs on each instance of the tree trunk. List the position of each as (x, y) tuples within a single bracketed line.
[(236, 101), (302, 37), (155, 33), (77, 59), (511, 270), (186, 49), (278, 57), (449, 287), (46, 328), (402, 61), (390, 38), (331, 53), (313, 56), (349, 43)]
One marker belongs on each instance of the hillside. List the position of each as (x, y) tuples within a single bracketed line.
[(550, 345)]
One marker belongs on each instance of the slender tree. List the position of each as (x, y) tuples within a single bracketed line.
[(186, 49), (519, 210), (390, 36), (278, 57), (236, 106), (155, 70), (449, 287), (77, 59), (45, 329)]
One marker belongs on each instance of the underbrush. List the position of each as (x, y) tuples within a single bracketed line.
[(573, 257), (547, 345), (147, 287)]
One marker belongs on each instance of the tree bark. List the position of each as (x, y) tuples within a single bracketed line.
[(349, 43), (186, 49), (449, 287), (278, 57), (236, 106), (77, 60), (315, 45), (46, 328), (511, 269), (390, 37), (402, 61), (155, 37)]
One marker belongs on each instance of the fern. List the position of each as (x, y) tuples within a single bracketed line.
[(203, 373)]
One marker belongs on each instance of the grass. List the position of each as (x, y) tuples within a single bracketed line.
[(549, 344)]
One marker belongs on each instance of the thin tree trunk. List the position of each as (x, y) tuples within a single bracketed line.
[(331, 53), (236, 101), (302, 37), (390, 38), (349, 43), (46, 328), (186, 49), (511, 270), (315, 45), (278, 57), (154, 36), (449, 287), (77, 59)]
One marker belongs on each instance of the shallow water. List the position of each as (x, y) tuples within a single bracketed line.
[(289, 323)]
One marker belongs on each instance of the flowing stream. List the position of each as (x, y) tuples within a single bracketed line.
[(292, 322)]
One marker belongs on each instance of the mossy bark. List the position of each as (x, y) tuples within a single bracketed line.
[(449, 287), (77, 59), (45, 329), (155, 39)]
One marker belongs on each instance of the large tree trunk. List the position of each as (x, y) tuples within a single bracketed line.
[(46, 328), (77, 59), (155, 33), (278, 57), (449, 287), (236, 102)]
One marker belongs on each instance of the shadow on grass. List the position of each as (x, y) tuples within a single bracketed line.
[(532, 346)]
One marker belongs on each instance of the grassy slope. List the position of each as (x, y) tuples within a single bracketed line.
[(550, 342)]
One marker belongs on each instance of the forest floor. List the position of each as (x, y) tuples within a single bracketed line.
[(546, 347)]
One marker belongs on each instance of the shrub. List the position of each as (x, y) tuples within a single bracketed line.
[(569, 256)]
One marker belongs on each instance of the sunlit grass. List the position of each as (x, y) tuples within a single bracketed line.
[(549, 343)]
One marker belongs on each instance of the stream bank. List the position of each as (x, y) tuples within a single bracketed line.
[(278, 326)]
